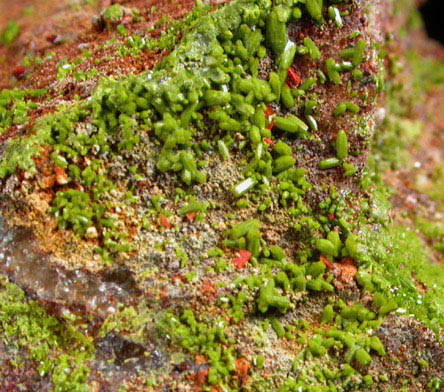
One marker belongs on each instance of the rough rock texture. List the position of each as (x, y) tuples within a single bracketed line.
[(180, 309)]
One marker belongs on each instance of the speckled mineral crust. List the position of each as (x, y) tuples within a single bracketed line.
[(120, 301)]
